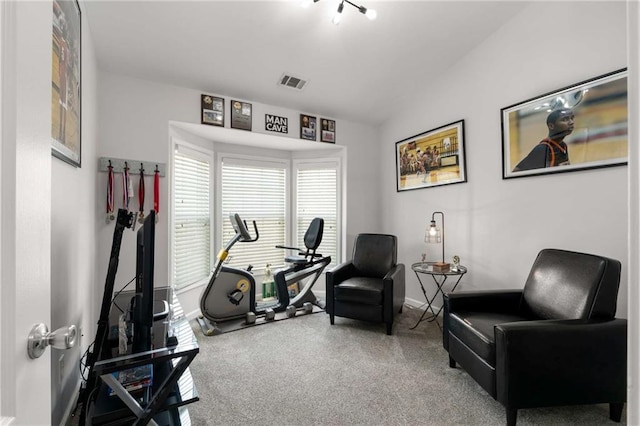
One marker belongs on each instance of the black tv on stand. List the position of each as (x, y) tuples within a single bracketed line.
[(142, 302)]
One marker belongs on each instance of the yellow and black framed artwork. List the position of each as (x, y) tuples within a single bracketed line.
[(66, 105), (433, 158)]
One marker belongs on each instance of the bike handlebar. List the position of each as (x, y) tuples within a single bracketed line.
[(240, 226)]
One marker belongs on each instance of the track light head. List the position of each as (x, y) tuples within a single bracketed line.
[(338, 16), (369, 13)]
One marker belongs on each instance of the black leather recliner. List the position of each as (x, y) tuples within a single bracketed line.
[(371, 286), (556, 342)]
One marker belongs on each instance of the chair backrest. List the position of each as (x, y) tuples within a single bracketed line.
[(568, 285), (375, 254), (313, 236)]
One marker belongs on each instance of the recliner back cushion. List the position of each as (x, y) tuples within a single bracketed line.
[(374, 254), (569, 285)]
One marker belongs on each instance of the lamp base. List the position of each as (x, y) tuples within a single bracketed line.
[(441, 267)]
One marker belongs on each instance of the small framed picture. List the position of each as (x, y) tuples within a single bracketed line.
[(212, 110), (307, 127), (240, 115), (275, 123), (293, 289), (328, 130)]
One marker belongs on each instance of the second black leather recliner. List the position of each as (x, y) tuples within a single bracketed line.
[(371, 286), (556, 342)]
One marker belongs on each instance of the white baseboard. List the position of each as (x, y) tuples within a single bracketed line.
[(412, 303), (71, 404), (193, 314)]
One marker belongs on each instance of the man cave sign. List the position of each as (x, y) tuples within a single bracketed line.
[(273, 123)]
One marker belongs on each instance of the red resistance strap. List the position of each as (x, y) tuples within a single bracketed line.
[(156, 192), (141, 194), (110, 201)]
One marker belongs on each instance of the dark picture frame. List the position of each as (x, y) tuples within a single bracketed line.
[(327, 130), (212, 108), (579, 127), (66, 82), (241, 115), (432, 158), (308, 127)]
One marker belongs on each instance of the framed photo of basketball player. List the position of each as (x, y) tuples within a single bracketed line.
[(583, 126), (433, 158), (66, 100)]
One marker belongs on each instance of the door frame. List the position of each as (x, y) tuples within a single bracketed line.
[(25, 208)]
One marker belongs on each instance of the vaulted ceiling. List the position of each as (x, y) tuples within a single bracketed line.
[(360, 70)]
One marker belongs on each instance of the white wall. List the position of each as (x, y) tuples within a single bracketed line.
[(134, 124), (74, 282), (498, 226)]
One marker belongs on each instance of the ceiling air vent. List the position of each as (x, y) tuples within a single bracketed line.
[(292, 82)]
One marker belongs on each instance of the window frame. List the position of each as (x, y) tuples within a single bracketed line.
[(202, 154), (251, 160), (333, 163), (291, 164)]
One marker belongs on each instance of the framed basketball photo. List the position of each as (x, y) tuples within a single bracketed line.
[(583, 126)]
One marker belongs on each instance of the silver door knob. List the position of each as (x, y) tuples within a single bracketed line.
[(40, 338)]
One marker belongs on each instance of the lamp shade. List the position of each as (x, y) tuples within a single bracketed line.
[(433, 234)]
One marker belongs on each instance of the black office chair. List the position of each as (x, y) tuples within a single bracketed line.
[(371, 286), (556, 342)]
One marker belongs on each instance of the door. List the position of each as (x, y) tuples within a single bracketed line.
[(25, 208)]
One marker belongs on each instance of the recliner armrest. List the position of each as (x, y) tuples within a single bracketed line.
[(341, 272), (395, 273), (479, 301), (394, 285), (486, 300), (561, 362)]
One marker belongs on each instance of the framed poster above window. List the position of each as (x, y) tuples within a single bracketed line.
[(241, 115), (66, 105), (328, 130), (307, 127), (212, 110)]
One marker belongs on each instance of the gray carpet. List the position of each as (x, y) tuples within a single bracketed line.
[(303, 371)]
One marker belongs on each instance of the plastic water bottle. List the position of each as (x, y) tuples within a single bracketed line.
[(267, 283)]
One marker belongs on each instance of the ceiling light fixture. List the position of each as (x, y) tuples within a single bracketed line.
[(369, 13)]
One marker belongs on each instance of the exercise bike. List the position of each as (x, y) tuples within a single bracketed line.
[(231, 292)]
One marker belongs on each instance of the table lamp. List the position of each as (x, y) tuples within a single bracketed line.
[(435, 235)]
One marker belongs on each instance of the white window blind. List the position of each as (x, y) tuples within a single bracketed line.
[(192, 231), (317, 196), (256, 192)]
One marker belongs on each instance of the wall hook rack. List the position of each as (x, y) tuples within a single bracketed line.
[(119, 165)]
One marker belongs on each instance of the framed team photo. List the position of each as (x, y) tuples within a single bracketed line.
[(432, 158), (583, 126)]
